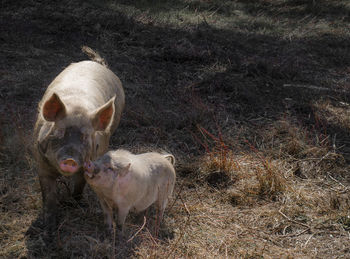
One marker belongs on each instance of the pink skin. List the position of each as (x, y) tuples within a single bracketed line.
[(69, 166)]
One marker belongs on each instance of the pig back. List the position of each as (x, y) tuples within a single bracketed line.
[(153, 179), (89, 85)]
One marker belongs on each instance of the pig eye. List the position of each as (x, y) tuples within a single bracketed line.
[(59, 133), (84, 137)]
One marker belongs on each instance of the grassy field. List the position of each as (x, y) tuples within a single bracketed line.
[(251, 97)]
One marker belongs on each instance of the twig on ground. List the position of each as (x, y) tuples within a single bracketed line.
[(138, 231), (152, 238), (294, 221), (307, 241), (205, 20), (297, 234), (217, 9), (335, 180)]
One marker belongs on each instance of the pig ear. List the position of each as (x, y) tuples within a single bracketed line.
[(103, 115), (53, 108)]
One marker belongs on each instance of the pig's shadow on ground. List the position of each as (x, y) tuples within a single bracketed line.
[(81, 224)]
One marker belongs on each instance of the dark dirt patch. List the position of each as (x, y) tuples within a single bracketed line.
[(218, 179)]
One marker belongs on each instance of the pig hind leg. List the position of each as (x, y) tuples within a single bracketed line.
[(164, 192), (162, 203)]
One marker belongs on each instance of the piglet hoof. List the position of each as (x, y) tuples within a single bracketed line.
[(108, 233), (121, 238), (120, 234)]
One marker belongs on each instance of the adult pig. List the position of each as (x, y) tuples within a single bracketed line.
[(77, 115), (126, 181)]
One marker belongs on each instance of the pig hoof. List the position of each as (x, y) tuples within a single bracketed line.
[(120, 237), (49, 237), (108, 235), (50, 222), (52, 226)]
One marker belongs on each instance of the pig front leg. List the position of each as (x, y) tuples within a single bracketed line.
[(108, 215), (122, 213), (79, 184), (48, 190)]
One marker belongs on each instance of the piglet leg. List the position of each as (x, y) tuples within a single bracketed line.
[(108, 214), (122, 213)]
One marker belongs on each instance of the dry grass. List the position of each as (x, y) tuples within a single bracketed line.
[(227, 87)]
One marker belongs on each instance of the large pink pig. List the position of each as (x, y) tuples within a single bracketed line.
[(77, 115)]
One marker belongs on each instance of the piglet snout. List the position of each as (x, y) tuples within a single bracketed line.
[(89, 168), (69, 165)]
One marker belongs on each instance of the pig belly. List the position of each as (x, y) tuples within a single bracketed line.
[(147, 201)]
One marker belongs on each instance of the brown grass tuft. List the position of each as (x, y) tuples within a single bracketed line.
[(271, 182)]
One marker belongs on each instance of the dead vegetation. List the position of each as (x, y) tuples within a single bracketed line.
[(262, 164)]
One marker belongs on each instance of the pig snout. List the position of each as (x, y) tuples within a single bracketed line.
[(69, 166), (70, 158)]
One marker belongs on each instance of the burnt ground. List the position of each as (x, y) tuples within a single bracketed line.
[(252, 98)]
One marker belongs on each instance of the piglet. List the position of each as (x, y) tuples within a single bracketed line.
[(126, 181)]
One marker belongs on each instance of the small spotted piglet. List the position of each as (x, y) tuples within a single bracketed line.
[(126, 181)]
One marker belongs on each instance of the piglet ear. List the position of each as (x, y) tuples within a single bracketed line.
[(54, 109), (125, 170), (103, 116)]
